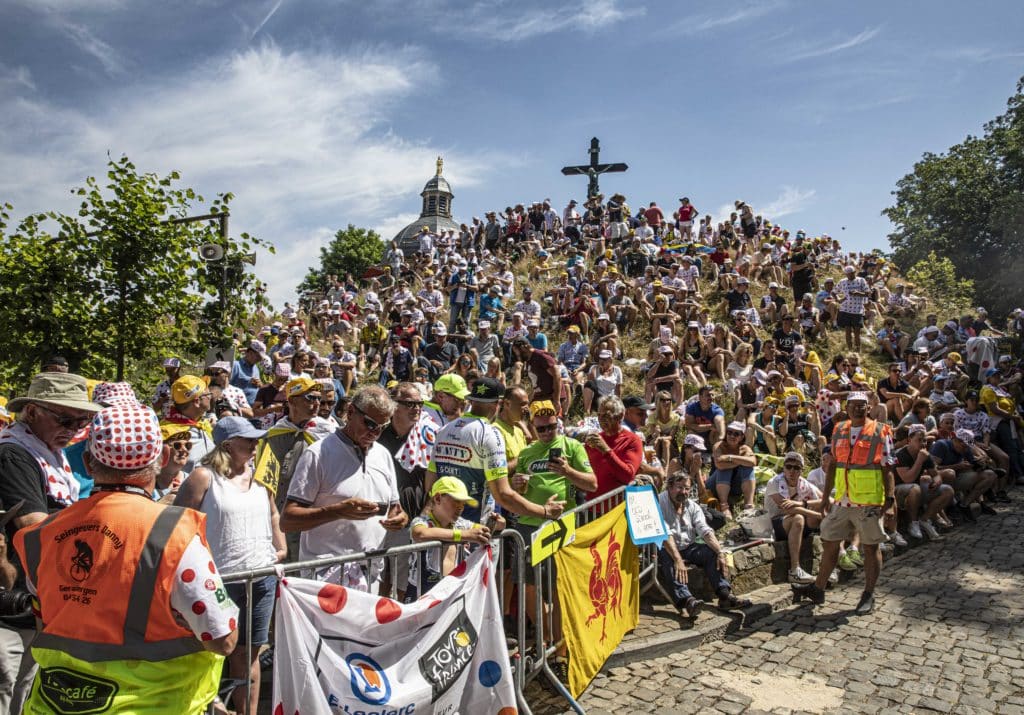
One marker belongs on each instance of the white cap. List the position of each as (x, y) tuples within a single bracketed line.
[(695, 441), (736, 426), (484, 324), (857, 397), (665, 350), (604, 355)]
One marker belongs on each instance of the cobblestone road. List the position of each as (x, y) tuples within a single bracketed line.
[(947, 635)]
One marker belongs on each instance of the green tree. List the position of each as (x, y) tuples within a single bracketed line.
[(352, 250), (121, 284), (936, 277), (967, 205)]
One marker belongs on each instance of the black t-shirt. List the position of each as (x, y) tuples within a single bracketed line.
[(801, 278), (411, 494), (22, 479), (784, 341), (664, 370), (796, 427), (906, 460), (738, 300), (902, 386)]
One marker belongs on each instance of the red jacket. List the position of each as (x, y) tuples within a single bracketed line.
[(619, 466)]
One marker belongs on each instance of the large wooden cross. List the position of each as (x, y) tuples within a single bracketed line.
[(593, 169)]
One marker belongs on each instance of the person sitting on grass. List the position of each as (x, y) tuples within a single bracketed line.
[(685, 521), (734, 469), (794, 505)]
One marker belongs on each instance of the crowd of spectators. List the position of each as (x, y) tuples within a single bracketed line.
[(494, 377)]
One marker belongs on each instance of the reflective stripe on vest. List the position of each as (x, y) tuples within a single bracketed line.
[(861, 482), (140, 599)]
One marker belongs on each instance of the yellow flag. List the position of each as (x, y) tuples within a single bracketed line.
[(599, 591)]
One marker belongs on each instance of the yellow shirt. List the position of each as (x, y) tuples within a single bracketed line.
[(514, 436)]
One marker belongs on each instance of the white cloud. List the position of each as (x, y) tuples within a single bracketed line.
[(792, 200), (503, 21), (981, 55), (389, 226), (704, 23), (301, 139), (109, 58), (822, 50), (16, 78)]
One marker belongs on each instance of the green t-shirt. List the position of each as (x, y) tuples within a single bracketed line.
[(533, 460)]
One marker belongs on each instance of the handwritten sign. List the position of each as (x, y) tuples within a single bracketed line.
[(646, 524)]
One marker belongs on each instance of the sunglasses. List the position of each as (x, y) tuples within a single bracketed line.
[(371, 424), (312, 397), (182, 445), (66, 421), (730, 433), (665, 399), (791, 467), (546, 428), (411, 404)]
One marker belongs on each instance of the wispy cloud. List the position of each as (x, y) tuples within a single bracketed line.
[(273, 9), (831, 48), (505, 21), (302, 139), (16, 77), (109, 58), (792, 200), (981, 55), (703, 23)]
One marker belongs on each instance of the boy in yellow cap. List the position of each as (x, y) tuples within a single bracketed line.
[(442, 520)]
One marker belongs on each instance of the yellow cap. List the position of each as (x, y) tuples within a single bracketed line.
[(542, 406), (171, 429), (301, 385), (187, 388), (453, 487)]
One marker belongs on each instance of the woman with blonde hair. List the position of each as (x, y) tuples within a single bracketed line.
[(242, 528), (691, 352)]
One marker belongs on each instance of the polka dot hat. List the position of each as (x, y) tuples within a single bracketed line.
[(114, 393), (126, 437)]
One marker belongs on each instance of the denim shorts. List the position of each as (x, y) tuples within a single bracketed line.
[(733, 477), (264, 591)]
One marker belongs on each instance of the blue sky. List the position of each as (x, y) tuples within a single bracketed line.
[(320, 113)]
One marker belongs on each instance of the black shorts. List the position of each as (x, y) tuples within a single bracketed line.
[(850, 320), (780, 532)]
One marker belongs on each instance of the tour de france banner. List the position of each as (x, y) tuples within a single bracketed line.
[(345, 651), (598, 587)]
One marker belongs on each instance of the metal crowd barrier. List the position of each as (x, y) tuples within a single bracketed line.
[(513, 556)]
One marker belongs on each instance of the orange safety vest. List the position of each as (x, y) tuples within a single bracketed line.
[(103, 570), (858, 467)]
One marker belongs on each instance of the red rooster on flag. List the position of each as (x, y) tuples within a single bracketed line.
[(606, 587)]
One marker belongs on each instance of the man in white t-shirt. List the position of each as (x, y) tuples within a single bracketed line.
[(794, 505), (343, 496)]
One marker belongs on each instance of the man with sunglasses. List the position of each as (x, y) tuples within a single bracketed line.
[(343, 495), (191, 401), (472, 450), (794, 505), (36, 471)]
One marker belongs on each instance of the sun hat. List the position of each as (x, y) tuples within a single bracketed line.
[(232, 426), (453, 385), (187, 388), (453, 487), (300, 385), (221, 365), (63, 389), (114, 393), (695, 441), (964, 435), (125, 437)]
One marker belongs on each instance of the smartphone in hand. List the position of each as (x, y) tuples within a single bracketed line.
[(383, 508)]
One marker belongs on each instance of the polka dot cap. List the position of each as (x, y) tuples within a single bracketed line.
[(114, 393), (126, 437)]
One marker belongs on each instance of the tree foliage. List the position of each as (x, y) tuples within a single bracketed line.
[(352, 250), (967, 204), (121, 284), (936, 277)]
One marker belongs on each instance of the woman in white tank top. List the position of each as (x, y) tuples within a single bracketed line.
[(243, 533)]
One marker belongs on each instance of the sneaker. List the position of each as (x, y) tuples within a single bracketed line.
[(866, 604), (693, 606), (897, 539), (833, 578), (887, 549), (856, 557), (846, 563), (809, 591), (798, 575), (915, 530), (929, 530), (1003, 498)]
